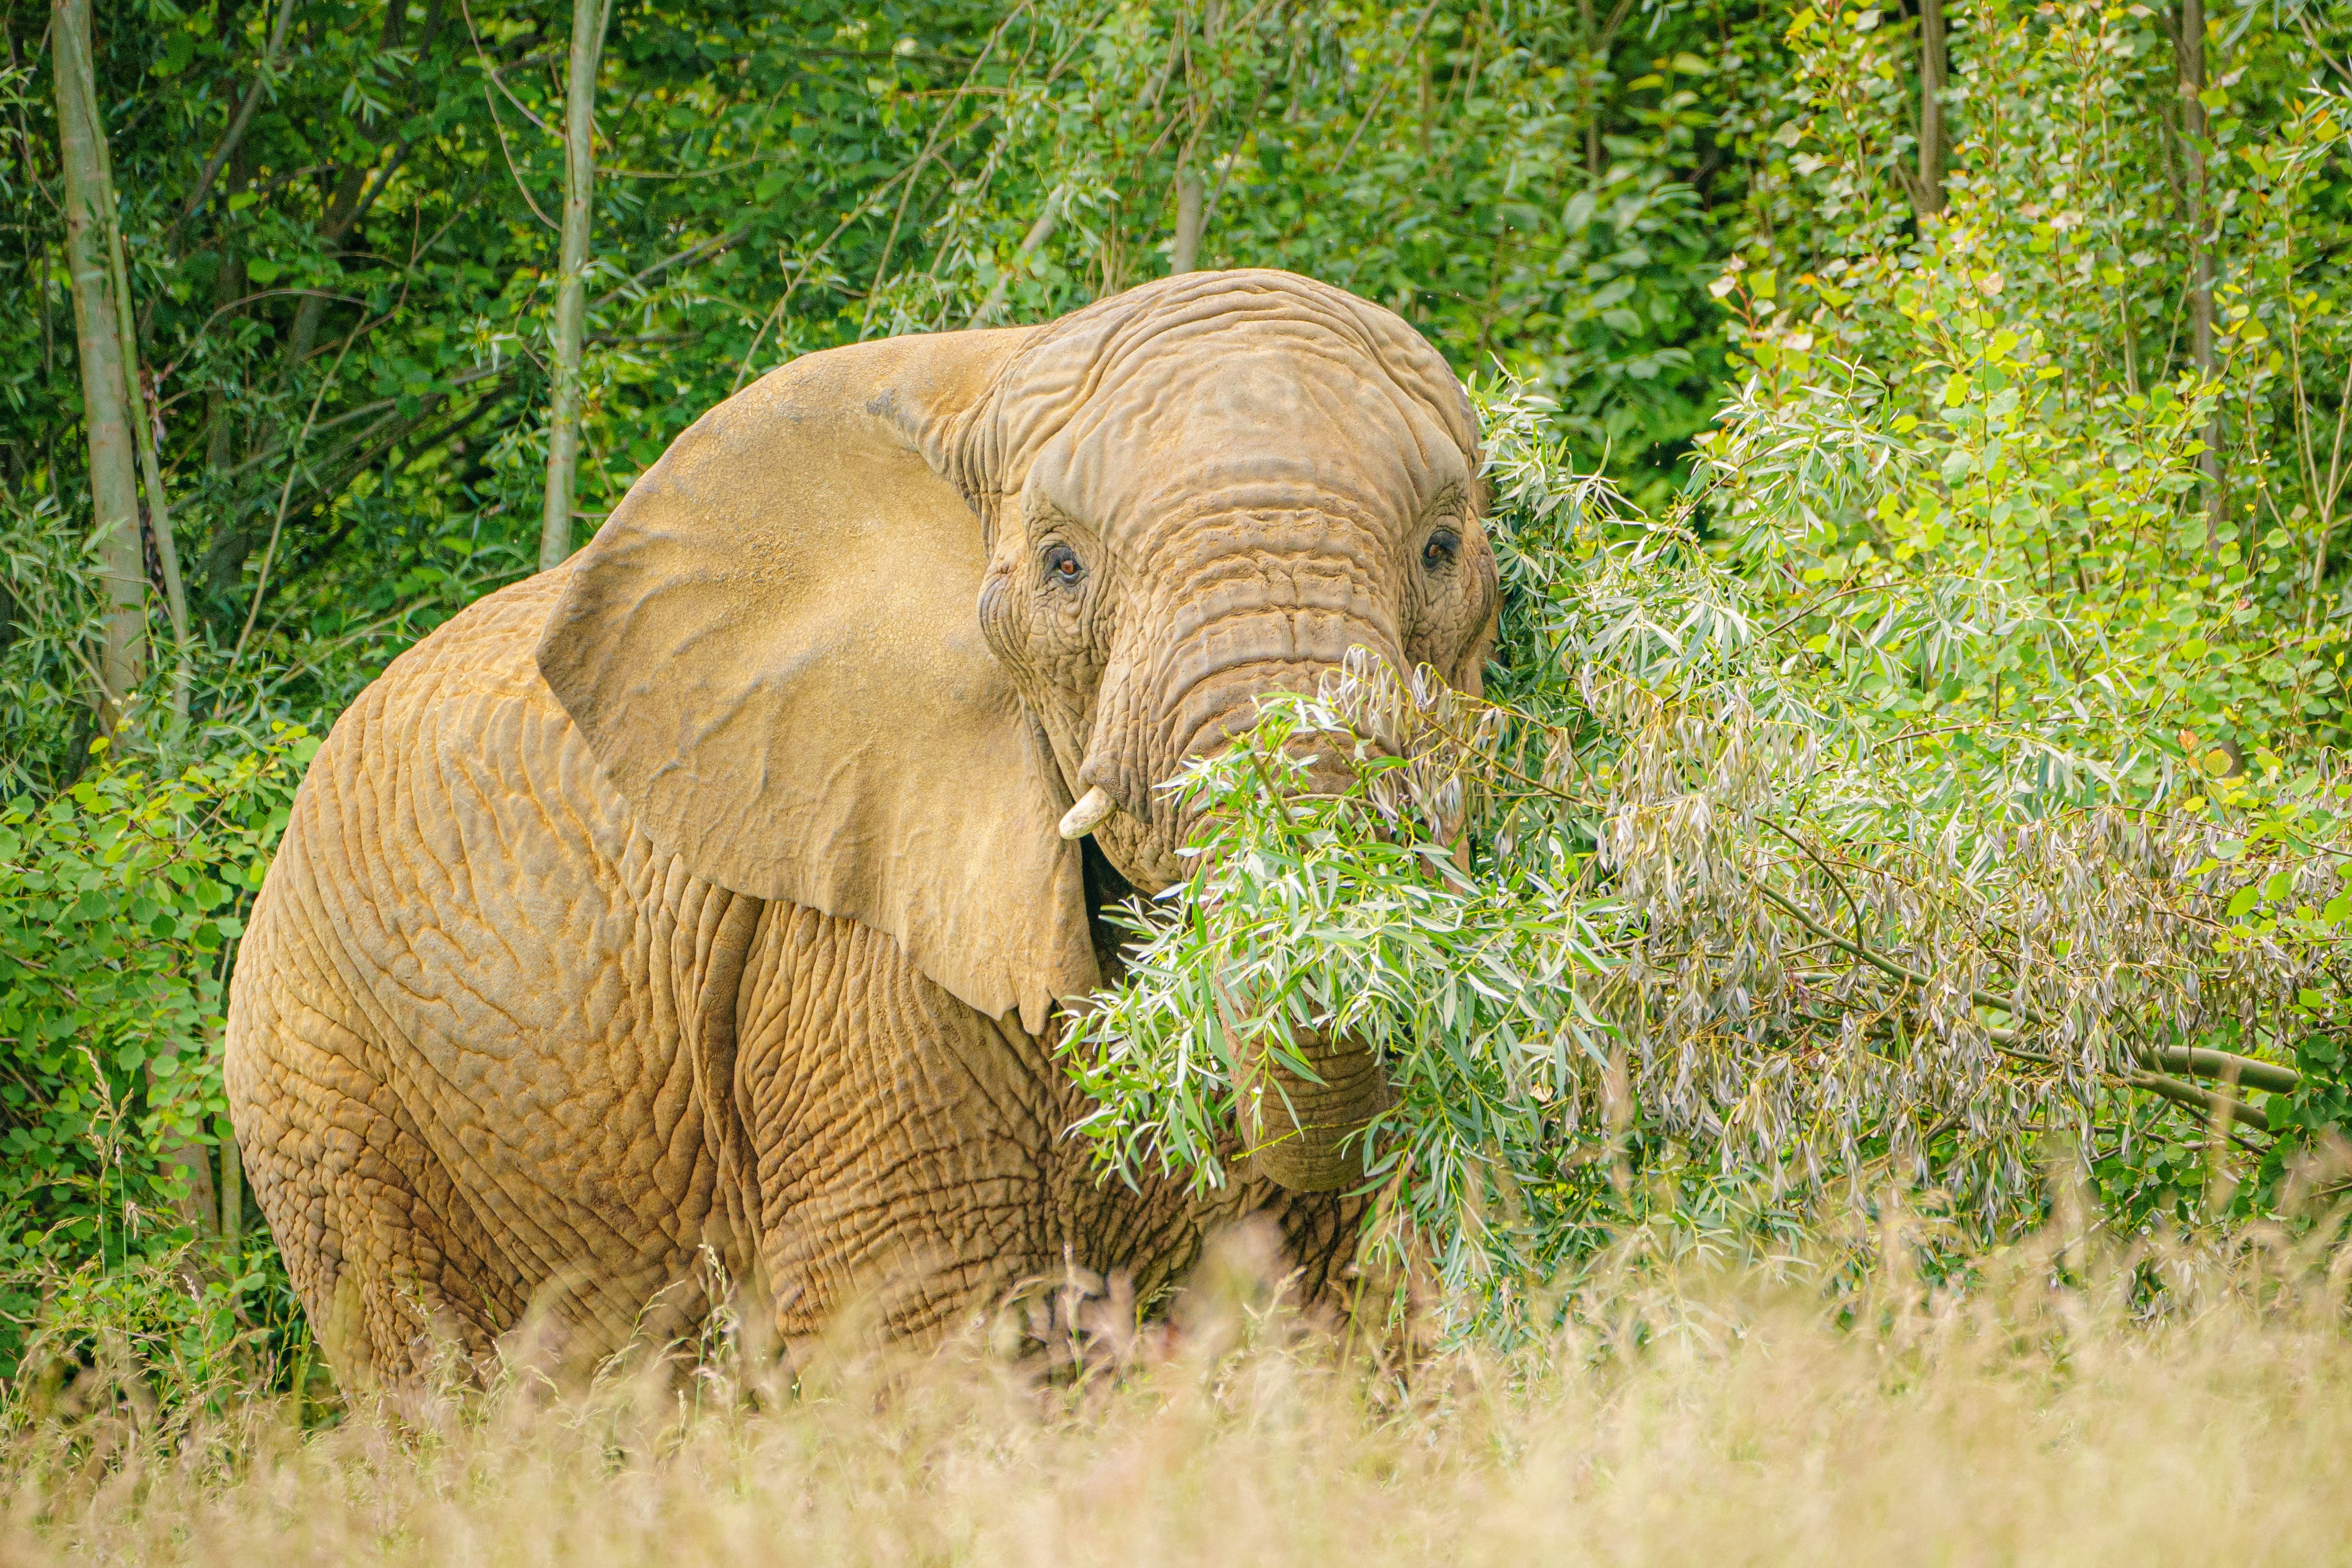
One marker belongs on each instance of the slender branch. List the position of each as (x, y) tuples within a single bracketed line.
[(2188, 1095), (1835, 881), (261, 581), (243, 116), (380, 406), (931, 146), (692, 253), (2267, 1076), (2004, 1038), (1816, 604), (1381, 92), (1039, 232), (491, 75), (802, 272)]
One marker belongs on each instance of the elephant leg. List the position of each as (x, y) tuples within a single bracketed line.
[(467, 1024), (382, 1249), (908, 1166), (1160, 1233), (898, 1137)]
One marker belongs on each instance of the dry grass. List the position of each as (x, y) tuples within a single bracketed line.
[(1718, 1417)]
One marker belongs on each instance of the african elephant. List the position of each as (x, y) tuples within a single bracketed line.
[(706, 891)]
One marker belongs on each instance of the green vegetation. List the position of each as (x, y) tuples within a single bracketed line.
[(1913, 760)]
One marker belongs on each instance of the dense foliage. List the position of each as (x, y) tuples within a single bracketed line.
[(1925, 627)]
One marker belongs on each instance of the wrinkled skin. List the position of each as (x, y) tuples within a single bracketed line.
[(705, 892)]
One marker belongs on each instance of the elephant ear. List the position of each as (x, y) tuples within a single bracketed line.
[(773, 648)]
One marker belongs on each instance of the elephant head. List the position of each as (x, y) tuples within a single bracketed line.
[(873, 629)]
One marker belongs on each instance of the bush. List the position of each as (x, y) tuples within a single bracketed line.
[(1730, 913), (122, 899)]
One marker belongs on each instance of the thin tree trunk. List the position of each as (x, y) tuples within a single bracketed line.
[(1191, 220), (1428, 105), (235, 136), (232, 1190), (2190, 42), (115, 414), (198, 1206), (1932, 66), (1191, 189), (1034, 241), (1589, 106), (159, 510), (571, 290), (113, 478)]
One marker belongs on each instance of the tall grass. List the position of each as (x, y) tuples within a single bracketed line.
[(2075, 1403)]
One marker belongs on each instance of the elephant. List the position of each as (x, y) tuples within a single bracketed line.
[(723, 893)]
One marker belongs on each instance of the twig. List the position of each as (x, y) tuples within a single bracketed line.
[(1835, 881), (1034, 241), (931, 145), (1816, 604), (381, 405), (2013, 1005), (1373, 108), (692, 253), (491, 75), (802, 272), (244, 117), (293, 467)]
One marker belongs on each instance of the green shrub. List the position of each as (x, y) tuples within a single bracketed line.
[(1731, 915), (122, 899)]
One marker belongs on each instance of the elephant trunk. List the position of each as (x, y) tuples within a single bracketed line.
[(1188, 694), (1306, 1132), (1216, 678)]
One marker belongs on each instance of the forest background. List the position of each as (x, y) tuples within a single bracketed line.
[(1919, 443)]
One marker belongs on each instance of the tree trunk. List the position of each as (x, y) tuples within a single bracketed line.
[(151, 468), (1031, 244), (1932, 66), (113, 478), (2191, 44), (571, 290), (1185, 254), (1590, 105), (232, 1190)]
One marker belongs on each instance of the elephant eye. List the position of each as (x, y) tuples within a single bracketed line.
[(1439, 552), (1063, 565)]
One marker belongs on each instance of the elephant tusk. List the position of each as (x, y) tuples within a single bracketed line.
[(1086, 816)]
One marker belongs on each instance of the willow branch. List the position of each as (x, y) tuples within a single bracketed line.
[(2267, 1076), (2197, 1099)]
